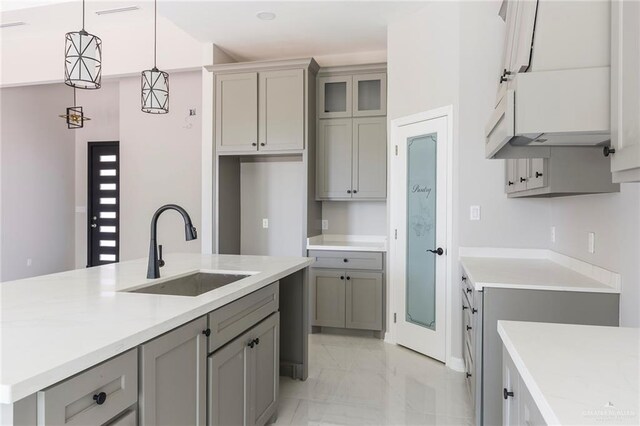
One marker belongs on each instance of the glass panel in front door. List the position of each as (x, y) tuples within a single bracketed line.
[(421, 230)]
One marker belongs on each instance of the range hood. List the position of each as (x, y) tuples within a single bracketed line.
[(550, 108)]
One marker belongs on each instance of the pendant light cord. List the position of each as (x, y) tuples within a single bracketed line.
[(74, 97), (83, 15), (155, 30)]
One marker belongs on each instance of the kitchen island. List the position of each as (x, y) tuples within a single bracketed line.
[(56, 326)]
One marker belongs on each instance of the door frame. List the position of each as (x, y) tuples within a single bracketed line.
[(90, 146), (451, 250)]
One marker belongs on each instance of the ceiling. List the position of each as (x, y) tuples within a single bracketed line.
[(301, 28)]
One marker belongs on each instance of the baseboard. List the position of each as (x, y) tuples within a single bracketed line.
[(388, 338), (456, 364)]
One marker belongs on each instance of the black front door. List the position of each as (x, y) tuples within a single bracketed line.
[(104, 203)]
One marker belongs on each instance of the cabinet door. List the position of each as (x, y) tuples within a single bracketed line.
[(369, 95), (364, 300), (369, 158), (237, 112), (333, 178), (334, 97), (528, 412), (229, 383), (522, 174), (328, 297), (511, 175), (625, 91), (173, 377), (523, 35), (537, 173), (264, 370), (510, 384), (509, 39), (281, 111)]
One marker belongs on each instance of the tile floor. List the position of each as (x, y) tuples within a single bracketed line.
[(364, 381)]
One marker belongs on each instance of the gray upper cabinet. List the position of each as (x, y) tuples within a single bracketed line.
[(369, 158), (281, 110), (236, 126), (173, 377), (363, 300), (334, 97), (625, 91), (369, 94), (567, 171), (243, 377), (334, 160)]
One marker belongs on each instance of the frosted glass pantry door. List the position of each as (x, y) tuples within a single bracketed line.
[(419, 221)]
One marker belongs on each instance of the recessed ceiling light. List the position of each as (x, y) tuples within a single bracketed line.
[(12, 24), (117, 10), (266, 16)]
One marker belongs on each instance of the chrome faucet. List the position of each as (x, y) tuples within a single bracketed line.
[(155, 262)]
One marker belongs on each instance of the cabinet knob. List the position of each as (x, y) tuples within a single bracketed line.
[(464, 307), (345, 260), (538, 174), (207, 332), (257, 340), (100, 398), (251, 344), (523, 179), (506, 394), (355, 191), (348, 278), (509, 183), (474, 310), (468, 290), (254, 144), (348, 191), (468, 375), (608, 150), (262, 144), (469, 327), (342, 277), (464, 278)]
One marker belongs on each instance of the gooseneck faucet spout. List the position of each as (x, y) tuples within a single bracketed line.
[(155, 262)]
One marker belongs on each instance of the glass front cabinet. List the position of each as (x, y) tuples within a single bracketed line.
[(355, 95)]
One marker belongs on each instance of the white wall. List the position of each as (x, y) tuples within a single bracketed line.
[(355, 217), (449, 54), (159, 164), (37, 175), (615, 220)]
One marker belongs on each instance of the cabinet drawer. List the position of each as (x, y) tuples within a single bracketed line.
[(347, 259), (231, 320), (76, 400), (130, 418)]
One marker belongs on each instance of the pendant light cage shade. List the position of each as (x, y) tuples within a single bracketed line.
[(155, 91), (75, 117), (83, 60)]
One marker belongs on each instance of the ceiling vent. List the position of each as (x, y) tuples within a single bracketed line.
[(117, 10), (12, 24)]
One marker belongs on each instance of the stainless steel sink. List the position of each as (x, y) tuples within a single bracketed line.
[(190, 285)]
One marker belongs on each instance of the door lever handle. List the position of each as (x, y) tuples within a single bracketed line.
[(437, 251)]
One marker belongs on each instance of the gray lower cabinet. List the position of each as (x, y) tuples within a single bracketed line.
[(347, 298), (173, 377), (481, 312), (518, 406), (244, 377)]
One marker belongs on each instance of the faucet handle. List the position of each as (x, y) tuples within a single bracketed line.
[(160, 260)]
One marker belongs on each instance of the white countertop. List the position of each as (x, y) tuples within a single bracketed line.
[(347, 242), (54, 326), (535, 270), (578, 374)]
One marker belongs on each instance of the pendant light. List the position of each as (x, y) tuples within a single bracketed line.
[(82, 58), (155, 83), (74, 117)]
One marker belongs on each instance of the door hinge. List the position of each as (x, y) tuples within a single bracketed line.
[(396, 149), (395, 234), (395, 317)]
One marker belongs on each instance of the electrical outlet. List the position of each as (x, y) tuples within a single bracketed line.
[(553, 234), (265, 223), (325, 224), (592, 242), (474, 213), (29, 261)]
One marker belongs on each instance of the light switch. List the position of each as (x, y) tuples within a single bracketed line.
[(592, 242), (474, 213), (265, 223), (325, 224), (553, 234)]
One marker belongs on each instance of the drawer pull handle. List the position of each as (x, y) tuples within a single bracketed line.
[(100, 398), (468, 375), (510, 183), (506, 394), (474, 310), (538, 174), (468, 290), (523, 179), (464, 278), (207, 332), (464, 307), (469, 327)]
